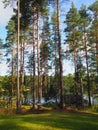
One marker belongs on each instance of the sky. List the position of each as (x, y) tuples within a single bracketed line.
[(5, 15)]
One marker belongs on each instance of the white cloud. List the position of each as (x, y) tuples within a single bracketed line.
[(5, 14)]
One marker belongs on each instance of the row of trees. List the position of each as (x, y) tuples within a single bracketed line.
[(37, 8), (82, 31), (40, 52)]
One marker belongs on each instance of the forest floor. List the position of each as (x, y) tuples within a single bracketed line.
[(47, 119)]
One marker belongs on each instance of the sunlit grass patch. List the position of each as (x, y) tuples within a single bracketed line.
[(50, 120)]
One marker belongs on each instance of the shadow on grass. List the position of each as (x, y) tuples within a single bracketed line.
[(50, 121)]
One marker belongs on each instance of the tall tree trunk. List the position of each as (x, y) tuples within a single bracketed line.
[(18, 106), (97, 51), (97, 57), (39, 65), (60, 57), (81, 82), (12, 76), (44, 63), (56, 67), (81, 89), (75, 67), (46, 80), (21, 69), (87, 67), (34, 75)]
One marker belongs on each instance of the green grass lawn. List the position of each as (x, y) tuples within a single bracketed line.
[(49, 121)]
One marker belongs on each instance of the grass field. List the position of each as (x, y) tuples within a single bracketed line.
[(51, 120)]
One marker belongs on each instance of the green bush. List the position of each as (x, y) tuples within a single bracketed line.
[(52, 105), (95, 108)]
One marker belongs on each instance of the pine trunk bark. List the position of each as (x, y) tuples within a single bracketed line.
[(34, 75), (21, 70), (87, 67), (75, 67), (97, 51), (12, 76), (39, 65), (60, 58), (18, 104)]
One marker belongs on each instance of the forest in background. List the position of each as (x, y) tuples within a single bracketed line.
[(34, 48)]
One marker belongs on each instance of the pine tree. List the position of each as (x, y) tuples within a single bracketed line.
[(73, 38), (45, 53), (10, 45), (84, 22), (94, 29), (55, 53)]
